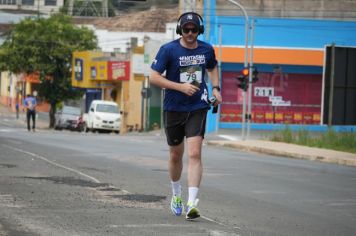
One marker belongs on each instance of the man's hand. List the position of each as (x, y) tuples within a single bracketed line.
[(218, 97), (189, 89)]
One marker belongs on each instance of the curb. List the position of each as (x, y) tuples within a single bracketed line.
[(284, 150)]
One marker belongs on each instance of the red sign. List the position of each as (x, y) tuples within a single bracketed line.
[(33, 78), (118, 70)]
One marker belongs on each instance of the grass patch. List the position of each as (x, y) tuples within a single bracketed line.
[(345, 142)]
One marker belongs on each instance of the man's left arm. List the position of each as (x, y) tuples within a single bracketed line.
[(34, 102), (214, 78)]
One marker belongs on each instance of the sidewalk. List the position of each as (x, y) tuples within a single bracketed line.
[(41, 117), (290, 150), (255, 144)]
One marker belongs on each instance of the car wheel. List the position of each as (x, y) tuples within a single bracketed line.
[(56, 126)]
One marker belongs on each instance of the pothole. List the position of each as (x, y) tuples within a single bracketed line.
[(7, 165), (140, 197), (109, 193), (69, 181), (123, 198), (109, 189)]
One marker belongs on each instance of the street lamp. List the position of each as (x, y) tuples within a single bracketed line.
[(245, 65)]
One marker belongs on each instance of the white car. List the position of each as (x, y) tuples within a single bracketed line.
[(103, 115)]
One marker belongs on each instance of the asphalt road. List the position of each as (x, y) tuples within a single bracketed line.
[(69, 183)]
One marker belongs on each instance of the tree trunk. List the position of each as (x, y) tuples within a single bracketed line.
[(52, 111)]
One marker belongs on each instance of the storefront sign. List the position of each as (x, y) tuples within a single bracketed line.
[(78, 69), (119, 70), (264, 91)]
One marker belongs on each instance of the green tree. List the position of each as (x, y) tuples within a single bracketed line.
[(45, 45)]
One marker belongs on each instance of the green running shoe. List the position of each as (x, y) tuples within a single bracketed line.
[(176, 205), (192, 210)]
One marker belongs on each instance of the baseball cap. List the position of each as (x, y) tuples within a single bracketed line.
[(190, 18)]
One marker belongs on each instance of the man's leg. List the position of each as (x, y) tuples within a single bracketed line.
[(195, 167), (33, 120), (28, 114), (175, 171), (195, 172), (176, 162), (175, 139)]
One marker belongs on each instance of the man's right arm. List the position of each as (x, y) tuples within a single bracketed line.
[(157, 79), (25, 103)]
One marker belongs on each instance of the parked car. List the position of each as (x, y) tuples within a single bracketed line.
[(68, 117), (103, 115)]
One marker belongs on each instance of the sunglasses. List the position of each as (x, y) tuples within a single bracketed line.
[(187, 30)]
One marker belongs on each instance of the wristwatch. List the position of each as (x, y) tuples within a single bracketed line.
[(217, 88)]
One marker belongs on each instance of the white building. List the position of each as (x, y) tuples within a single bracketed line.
[(119, 41), (43, 6)]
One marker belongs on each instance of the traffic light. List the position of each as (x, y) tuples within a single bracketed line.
[(243, 78), (255, 75)]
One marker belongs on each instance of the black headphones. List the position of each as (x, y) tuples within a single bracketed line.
[(201, 26)]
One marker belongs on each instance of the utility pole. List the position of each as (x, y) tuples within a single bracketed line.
[(89, 6), (38, 9), (220, 75), (245, 65), (249, 102), (331, 89)]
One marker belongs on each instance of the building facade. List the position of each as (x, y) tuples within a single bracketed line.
[(42, 6), (288, 53)]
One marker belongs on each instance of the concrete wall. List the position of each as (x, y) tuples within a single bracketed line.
[(320, 9), (276, 32), (110, 41)]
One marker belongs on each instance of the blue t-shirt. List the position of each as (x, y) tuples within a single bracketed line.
[(185, 65), (30, 102)]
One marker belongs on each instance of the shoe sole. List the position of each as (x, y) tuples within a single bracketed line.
[(192, 214)]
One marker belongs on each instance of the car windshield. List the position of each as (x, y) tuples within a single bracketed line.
[(71, 110), (107, 108)]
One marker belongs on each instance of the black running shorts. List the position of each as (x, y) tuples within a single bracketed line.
[(180, 124)]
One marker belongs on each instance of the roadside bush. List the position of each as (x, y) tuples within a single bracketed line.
[(330, 140)]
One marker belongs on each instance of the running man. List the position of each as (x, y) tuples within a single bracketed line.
[(185, 62)]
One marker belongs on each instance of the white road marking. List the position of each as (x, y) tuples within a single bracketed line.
[(217, 222), (229, 137), (5, 130), (61, 166), (54, 163)]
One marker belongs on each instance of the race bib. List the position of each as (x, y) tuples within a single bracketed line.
[(191, 74)]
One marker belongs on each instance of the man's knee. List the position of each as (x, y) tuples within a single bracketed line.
[(176, 152), (176, 156)]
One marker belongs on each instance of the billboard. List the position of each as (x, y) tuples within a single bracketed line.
[(119, 70)]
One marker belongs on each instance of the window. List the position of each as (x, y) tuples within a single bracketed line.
[(7, 2), (107, 108), (50, 2), (28, 2)]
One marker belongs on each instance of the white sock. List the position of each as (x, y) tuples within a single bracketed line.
[(193, 192), (176, 188)]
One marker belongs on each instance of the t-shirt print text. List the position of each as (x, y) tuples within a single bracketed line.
[(191, 60)]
